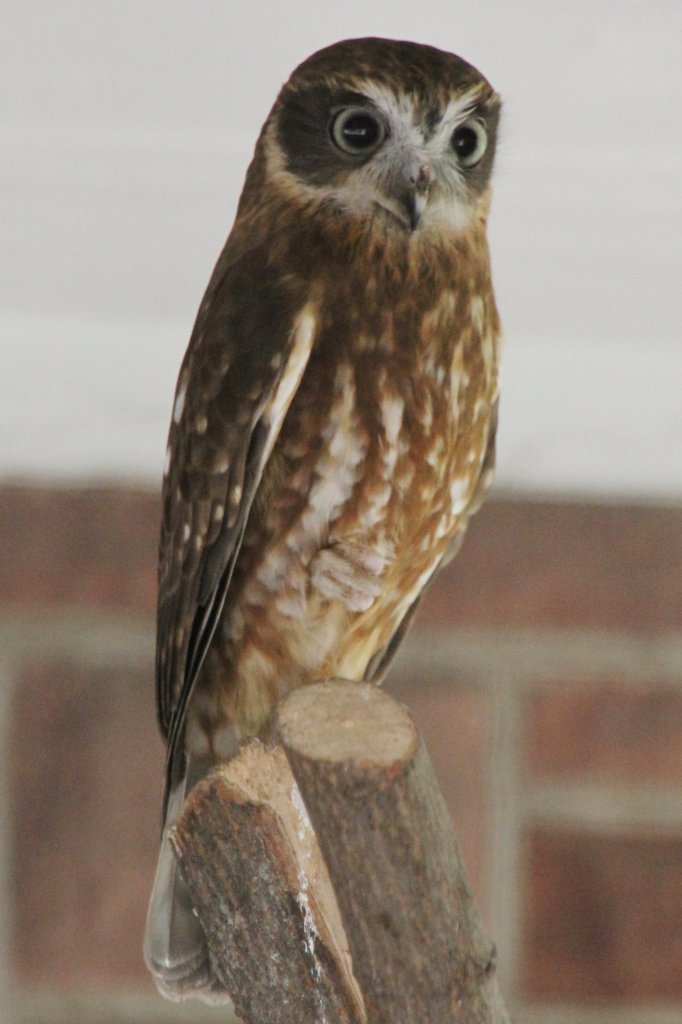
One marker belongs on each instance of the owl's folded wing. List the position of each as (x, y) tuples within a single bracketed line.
[(245, 360)]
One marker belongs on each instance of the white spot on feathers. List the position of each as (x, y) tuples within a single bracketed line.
[(303, 334), (488, 350), (426, 412), (180, 400), (377, 500), (392, 409), (480, 407), (336, 472), (477, 308), (459, 493), (434, 456), (272, 568)]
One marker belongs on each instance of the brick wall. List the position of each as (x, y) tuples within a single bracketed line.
[(545, 672)]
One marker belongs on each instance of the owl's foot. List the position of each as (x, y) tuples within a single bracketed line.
[(349, 572)]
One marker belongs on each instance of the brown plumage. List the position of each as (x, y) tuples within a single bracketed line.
[(334, 420)]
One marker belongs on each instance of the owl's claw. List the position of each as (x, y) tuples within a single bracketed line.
[(350, 573)]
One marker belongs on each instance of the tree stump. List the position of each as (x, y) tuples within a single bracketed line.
[(326, 874)]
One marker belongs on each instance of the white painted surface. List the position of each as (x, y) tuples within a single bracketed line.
[(124, 134)]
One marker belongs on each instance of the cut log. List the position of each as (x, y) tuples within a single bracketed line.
[(326, 874), (263, 895)]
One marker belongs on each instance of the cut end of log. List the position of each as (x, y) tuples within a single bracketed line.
[(347, 722)]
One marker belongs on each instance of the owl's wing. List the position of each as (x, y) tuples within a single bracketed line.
[(248, 351)]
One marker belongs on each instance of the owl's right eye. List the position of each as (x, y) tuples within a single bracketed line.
[(469, 141), (357, 131)]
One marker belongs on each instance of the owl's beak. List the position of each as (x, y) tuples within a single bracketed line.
[(416, 196)]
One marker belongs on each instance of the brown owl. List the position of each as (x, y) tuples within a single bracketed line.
[(334, 420)]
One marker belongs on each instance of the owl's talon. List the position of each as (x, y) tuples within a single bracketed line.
[(350, 573)]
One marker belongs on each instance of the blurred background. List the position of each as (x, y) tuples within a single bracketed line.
[(546, 666)]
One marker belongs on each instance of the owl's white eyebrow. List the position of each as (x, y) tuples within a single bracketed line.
[(463, 106), (402, 105), (386, 99)]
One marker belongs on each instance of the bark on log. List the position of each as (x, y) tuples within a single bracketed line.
[(263, 895), (416, 939), (336, 895)]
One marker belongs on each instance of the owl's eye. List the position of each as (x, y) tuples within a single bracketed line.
[(469, 141), (357, 131)]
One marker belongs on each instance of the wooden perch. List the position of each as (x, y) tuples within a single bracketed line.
[(326, 874), (263, 895)]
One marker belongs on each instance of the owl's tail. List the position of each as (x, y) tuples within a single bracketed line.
[(175, 948)]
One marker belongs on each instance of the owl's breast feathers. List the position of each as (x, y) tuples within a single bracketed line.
[(384, 446)]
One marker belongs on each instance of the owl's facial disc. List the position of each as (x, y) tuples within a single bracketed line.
[(431, 166), (409, 160)]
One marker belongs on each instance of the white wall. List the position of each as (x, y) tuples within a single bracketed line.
[(125, 129)]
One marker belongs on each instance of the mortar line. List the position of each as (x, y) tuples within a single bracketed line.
[(558, 1013), (80, 636), (112, 1007), (115, 1007), (542, 658), (606, 807), (537, 657)]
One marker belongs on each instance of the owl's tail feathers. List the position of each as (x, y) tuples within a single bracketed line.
[(175, 948)]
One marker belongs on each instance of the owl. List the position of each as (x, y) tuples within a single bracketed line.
[(334, 421)]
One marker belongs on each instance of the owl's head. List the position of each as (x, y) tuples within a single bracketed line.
[(397, 133)]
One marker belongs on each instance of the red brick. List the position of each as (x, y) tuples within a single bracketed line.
[(603, 917), (455, 724), (523, 563), (86, 791), (605, 730), (87, 767), (94, 546), (544, 564)]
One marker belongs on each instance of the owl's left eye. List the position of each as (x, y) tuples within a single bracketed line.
[(469, 141), (357, 131)]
